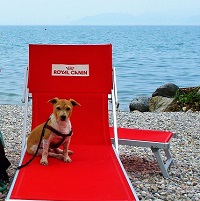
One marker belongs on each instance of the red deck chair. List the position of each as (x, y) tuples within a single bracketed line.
[(95, 173), (156, 140)]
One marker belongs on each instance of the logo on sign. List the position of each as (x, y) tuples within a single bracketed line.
[(70, 70)]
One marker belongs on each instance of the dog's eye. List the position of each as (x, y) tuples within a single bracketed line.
[(67, 108), (58, 108)]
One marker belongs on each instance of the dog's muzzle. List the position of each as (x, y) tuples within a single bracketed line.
[(62, 118)]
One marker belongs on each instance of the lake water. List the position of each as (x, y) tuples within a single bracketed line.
[(145, 57)]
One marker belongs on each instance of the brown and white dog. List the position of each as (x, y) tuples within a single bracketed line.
[(57, 132)]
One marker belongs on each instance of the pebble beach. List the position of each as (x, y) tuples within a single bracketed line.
[(139, 163)]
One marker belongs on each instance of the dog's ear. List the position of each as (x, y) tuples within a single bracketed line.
[(53, 101), (74, 103)]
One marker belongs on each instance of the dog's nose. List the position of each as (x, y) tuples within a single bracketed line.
[(63, 117)]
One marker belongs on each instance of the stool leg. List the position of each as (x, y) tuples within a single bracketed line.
[(161, 164), (169, 158)]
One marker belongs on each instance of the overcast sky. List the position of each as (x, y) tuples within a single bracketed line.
[(64, 12)]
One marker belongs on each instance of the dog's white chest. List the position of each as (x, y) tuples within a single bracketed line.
[(64, 128)]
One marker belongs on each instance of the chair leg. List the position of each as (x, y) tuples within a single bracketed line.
[(169, 158), (163, 166)]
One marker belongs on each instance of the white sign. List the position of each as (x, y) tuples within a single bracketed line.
[(70, 70)]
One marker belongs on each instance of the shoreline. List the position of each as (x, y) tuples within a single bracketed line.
[(140, 164)]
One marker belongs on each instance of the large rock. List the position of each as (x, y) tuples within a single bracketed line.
[(188, 99), (140, 104), (159, 103), (167, 90)]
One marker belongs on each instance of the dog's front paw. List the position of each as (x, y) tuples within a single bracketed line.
[(67, 159), (43, 162)]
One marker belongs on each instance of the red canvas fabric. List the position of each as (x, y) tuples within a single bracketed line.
[(94, 173), (41, 58), (90, 124), (143, 135)]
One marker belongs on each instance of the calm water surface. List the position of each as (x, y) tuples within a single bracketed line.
[(145, 57)]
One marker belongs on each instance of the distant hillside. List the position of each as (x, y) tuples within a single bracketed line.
[(145, 19), (106, 19)]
